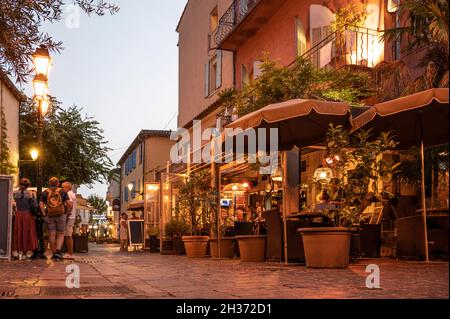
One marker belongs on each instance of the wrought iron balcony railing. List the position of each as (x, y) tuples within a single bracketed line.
[(351, 45), (234, 15)]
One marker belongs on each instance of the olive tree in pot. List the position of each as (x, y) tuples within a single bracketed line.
[(361, 171), (197, 203), (175, 229)]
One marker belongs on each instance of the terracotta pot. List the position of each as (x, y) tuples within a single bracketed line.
[(326, 247), (252, 247), (226, 247), (195, 246)]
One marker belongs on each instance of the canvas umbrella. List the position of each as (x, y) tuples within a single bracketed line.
[(299, 122), (417, 119)]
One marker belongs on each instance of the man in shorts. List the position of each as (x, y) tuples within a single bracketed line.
[(70, 222), (55, 205)]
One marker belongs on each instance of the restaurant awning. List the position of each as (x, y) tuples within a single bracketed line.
[(419, 119), (299, 122), (136, 205), (402, 117)]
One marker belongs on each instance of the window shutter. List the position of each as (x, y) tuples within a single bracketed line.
[(207, 79), (133, 157), (219, 68)]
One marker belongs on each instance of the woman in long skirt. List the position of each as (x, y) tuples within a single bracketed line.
[(25, 238)]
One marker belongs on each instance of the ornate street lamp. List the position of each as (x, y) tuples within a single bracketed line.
[(42, 62)]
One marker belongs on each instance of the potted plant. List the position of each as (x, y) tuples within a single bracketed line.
[(361, 171), (226, 243), (197, 204), (175, 229), (252, 248), (153, 234)]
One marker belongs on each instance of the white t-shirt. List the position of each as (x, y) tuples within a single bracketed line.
[(73, 200)]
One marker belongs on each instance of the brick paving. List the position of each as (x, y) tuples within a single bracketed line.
[(107, 273)]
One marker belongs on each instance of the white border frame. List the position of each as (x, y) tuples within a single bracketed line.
[(129, 231), (9, 227)]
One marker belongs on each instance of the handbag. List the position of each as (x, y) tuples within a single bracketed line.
[(33, 209)]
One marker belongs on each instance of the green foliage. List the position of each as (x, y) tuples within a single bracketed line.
[(6, 167), (21, 29), (98, 203), (74, 146), (177, 227), (353, 14), (197, 202), (425, 26), (360, 168), (278, 83)]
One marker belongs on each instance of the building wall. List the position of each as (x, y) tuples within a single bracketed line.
[(11, 109), (277, 37), (135, 176), (157, 153), (193, 46)]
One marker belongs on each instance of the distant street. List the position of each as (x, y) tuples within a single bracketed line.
[(107, 273)]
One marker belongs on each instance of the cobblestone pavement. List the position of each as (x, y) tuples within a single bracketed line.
[(107, 273)]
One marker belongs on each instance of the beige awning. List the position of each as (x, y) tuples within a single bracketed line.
[(402, 117), (299, 122), (288, 110), (406, 103)]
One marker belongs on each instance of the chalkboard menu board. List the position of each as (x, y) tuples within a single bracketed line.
[(136, 231), (5, 216)]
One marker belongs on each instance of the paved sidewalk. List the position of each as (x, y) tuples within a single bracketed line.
[(107, 273)]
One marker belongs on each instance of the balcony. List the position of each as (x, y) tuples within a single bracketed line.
[(350, 46), (241, 21)]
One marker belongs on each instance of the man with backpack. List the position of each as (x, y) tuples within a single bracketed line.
[(55, 205)]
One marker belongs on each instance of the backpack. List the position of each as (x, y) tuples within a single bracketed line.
[(55, 204)]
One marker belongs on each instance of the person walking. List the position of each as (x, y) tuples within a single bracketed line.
[(25, 206), (123, 232), (70, 222), (55, 205)]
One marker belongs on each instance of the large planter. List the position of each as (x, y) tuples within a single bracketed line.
[(154, 244), (326, 247), (252, 247), (195, 246), (226, 247)]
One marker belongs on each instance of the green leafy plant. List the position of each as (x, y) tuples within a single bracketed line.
[(353, 14), (361, 170), (177, 227), (6, 167), (197, 202), (74, 144), (301, 80)]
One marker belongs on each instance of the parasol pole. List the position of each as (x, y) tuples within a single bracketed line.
[(424, 208), (285, 204)]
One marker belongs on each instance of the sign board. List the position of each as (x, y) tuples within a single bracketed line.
[(5, 217), (136, 232)]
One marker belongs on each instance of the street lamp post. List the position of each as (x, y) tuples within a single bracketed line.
[(42, 62)]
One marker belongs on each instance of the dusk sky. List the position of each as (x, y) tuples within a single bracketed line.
[(120, 66)]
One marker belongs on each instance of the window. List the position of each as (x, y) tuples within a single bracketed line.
[(256, 69), (141, 152), (245, 76), (213, 73), (214, 20), (300, 37), (133, 160)]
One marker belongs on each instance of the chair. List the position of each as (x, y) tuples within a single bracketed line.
[(275, 237)]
